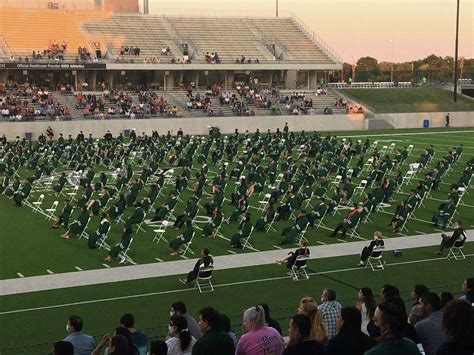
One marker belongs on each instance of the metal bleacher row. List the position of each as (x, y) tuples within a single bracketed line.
[(27, 30)]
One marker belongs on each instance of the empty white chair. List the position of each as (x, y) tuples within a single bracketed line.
[(51, 211)]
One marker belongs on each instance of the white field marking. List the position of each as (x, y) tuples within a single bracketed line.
[(158, 259), (406, 134), (237, 283), (107, 266), (419, 232), (184, 257), (439, 230), (276, 246), (322, 243), (232, 252), (20, 274), (49, 271), (77, 268), (342, 240), (361, 238)]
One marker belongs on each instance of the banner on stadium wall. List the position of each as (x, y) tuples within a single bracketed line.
[(51, 66)]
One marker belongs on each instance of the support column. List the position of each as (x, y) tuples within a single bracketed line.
[(109, 78), (93, 80), (196, 78), (230, 77), (312, 80), (291, 77), (3, 77), (269, 76), (171, 81)]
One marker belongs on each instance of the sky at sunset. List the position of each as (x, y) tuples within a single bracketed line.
[(355, 28)]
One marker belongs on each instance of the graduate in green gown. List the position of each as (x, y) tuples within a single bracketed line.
[(63, 218), (100, 232), (124, 243), (209, 230), (181, 239), (78, 226)]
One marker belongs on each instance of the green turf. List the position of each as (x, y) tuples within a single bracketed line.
[(411, 100), (41, 246), (30, 247)]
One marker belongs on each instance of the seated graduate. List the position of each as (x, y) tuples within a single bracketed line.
[(368, 251), (78, 226), (209, 230), (318, 212), (204, 261), (181, 239), (100, 232), (189, 213), (63, 218), (291, 233), (162, 211), (349, 222), (118, 207), (23, 192), (457, 238), (125, 240), (444, 213), (268, 216), (245, 227), (96, 204), (290, 259)]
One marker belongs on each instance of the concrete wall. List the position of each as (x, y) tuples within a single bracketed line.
[(189, 125), (437, 119)]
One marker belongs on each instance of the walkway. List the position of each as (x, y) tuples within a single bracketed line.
[(180, 267)]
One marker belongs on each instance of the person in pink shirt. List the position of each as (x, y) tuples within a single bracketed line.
[(259, 339)]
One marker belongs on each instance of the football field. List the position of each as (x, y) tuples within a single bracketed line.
[(30, 249)]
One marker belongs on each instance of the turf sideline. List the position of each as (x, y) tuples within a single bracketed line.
[(230, 284), (180, 267)]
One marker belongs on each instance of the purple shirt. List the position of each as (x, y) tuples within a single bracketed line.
[(263, 341)]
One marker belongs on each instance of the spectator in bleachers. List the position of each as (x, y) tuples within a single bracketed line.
[(138, 338), (430, 328), (83, 344), (330, 310), (158, 347), (226, 327), (258, 338), (350, 339), (270, 321), (390, 320), (415, 295), (468, 290), (309, 307), (366, 306), (181, 341), (214, 341), (300, 342), (179, 309), (458, 325)]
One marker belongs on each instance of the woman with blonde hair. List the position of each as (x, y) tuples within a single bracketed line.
[(309, 307)]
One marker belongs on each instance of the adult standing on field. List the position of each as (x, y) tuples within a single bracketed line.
[(447, 120)]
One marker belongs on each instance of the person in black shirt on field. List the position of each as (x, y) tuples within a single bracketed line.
[(204, 261), (367, 251), (291, 257), (458, 238)]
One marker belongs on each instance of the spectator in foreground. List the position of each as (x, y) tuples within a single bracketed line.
[(226, 327), (179, 309), (350, 339), (258, 339), (138, 338), (309, 308), (458, 324), (468, 290), (213, 341), (390, 320), (182, 341), (83, 344), (300, 340), (415, 295), (331, 311), (63, 348), (430, 329), (270, 321), (445, 297), (366, 306)]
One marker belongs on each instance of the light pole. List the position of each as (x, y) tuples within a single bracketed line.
[(391, 66), (455, 97), (276, 8)]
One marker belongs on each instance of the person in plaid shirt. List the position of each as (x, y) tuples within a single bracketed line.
[(331, 311)]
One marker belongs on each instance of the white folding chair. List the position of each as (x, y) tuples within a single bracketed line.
[(72, 194), (102, 242), (264, 203), (160, 232), (51, 211), (359, 190), (247, 244), (298, 270), (203, 280), (37, 204), (375, 259), (337, 180), (186, 248), (123, 256), (455, 252)]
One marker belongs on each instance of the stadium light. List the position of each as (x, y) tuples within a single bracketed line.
[(391, 66), (455, 97), (276, 8)]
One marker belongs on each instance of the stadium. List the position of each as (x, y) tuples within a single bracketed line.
[(167, 181)]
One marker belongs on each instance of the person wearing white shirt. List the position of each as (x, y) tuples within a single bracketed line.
[(181, 342)]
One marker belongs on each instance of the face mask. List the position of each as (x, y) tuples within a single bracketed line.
[(171, 313), (67, 328)]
